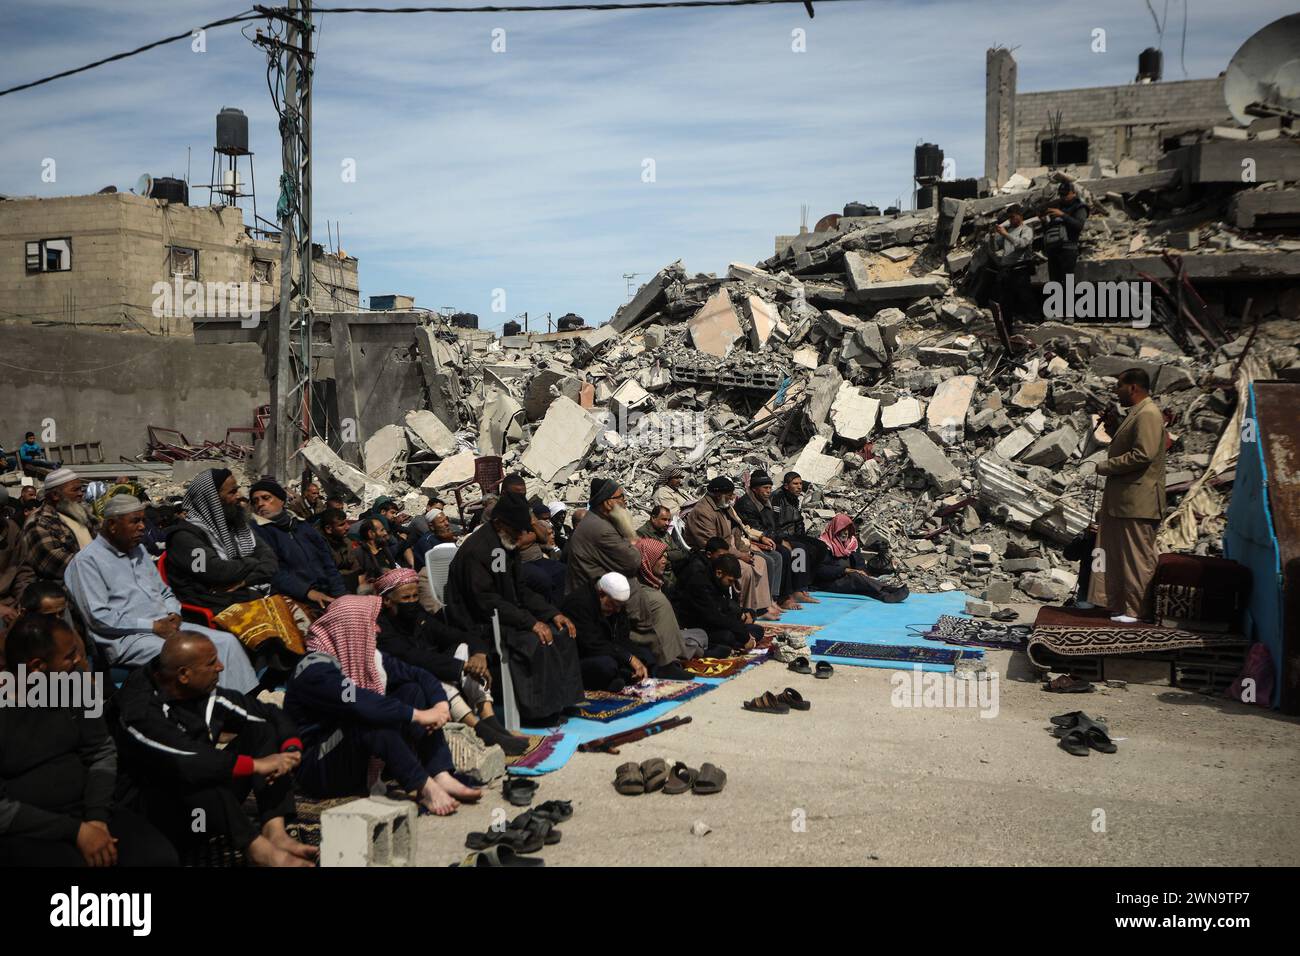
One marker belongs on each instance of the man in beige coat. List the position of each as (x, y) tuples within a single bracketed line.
[(1132, 504), (713, 516)]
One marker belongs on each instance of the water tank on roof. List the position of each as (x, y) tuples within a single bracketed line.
[(872, 211), (511, 328), (892, 211), (855, 209), (1150, 63), (169, 188), (569, 321), (929, 161), (464, 320), (232, 132)]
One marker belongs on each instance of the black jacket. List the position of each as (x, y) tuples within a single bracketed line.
[(485, 577), (599, 635), (58, 769), (759, 516), (789, 519), (1076, 214), (165, 741), (305, 561), (206, 588), (430, 646), (700, 601)]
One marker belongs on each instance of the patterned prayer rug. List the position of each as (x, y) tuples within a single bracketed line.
[(539, 748), (720, 666), (605, 706), (660, 689), (888, 652), (1069, 632), (970, 632)]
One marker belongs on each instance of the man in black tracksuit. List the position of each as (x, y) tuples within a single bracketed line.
[(58, 769), (1061, 233), (702, 599), (169, 716)]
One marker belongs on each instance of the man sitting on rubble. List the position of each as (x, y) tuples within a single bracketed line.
[(309, 504), (704, 598), (32, 455), (603, 542), (668, 491), (458, 658), (713, 517), (129, 612), (334, 527), (169, 717), (306, 571), (62, 527), (537, 639), (373, 554), (610, 660), (757, 511)]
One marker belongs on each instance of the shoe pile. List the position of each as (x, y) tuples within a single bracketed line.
[(526, 834), (1078, 733), (633, 779)]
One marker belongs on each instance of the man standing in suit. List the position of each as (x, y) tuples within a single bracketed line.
[(1132, 504)]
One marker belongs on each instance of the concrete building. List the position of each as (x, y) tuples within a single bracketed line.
[(1137, 121), (96, 261)]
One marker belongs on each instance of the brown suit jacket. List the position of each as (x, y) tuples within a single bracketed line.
[(1135, 466)]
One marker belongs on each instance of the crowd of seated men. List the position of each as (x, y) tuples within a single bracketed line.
[(186, 611)]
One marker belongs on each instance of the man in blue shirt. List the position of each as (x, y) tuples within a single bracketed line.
[(31, 453)]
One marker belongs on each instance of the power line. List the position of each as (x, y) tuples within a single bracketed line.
[(240, 18)]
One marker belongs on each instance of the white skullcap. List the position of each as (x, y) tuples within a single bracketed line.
[(615, 585), (556, 507), (122, 503), (59, 476)]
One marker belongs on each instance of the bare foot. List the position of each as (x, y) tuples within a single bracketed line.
[(790, 604), (770, 616), (262, 852), (437, 800), (806, 597), (457, 789)]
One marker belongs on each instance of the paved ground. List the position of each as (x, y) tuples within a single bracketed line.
[(1198, 781)]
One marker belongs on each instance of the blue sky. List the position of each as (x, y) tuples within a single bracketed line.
[(522, 170)]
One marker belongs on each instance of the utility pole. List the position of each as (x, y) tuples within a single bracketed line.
[(290, 380)]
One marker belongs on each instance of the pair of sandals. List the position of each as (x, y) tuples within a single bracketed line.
[(633, 779), (800, 665), (526, 833), (782, 703), (1078, 733), (499, 855)]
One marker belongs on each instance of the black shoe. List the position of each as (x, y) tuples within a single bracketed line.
[(673, 671)]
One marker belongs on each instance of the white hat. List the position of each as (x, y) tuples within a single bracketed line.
[(122, 503), (59, 476), (615, 585), (556, 507)]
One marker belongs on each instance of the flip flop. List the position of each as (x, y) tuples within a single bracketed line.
[(538, 832), (557, 811), (1098, 739), (824, 671), (1074, 742), (628, 779), (1075, 720), (1068, 720), (1065, 684), (681, 779), (499, 856), (711, 779), (764, 704), (794, 700), (655, 772), (515, 839), (519, 791), (800, 666)]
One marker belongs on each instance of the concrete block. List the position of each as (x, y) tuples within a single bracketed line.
[(946, 416), (1053, 448), (763, 318), (429, 429), (715, 328), (940, 357), (1172, 378), (371, 832), (324, 461), (814, 466), (563, 440), (1014, 443), (1183, 239), (806, 356), (904, 413), (383, 451), (927, 457), (853, 415), (451, 471), (653, 336), (1018, 565), (626, 399), (902, 289), (1031, 394)]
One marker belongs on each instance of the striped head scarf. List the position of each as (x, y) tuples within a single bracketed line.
[(203, 510), (395, 579), (831, 536), (346, 632), (651, 551)]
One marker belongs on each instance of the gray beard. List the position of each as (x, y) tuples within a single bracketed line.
[(621, 519), (76, 510)]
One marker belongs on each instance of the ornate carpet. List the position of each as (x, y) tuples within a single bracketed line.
[(1070, 632)]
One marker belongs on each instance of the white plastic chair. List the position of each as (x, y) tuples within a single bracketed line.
[(509, 707), (437, 564)]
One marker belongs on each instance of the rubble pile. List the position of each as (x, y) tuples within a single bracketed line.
[(966, 449)]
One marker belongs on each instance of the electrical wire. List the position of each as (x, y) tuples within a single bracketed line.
[(560, 8)]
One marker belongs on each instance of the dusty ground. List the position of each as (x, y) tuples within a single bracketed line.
[(1198, 781)]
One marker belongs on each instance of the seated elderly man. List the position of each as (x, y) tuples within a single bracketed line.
[(543, 562), (603, 542), (459, 659), (169, 717), (306, 571), (608, 657), (309, 504), (213, 558), (714, 517), (127, 609), (668, 491), (755, 509), (58, 769), (62, 527), (537, 640)]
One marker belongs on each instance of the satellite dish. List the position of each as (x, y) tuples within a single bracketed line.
[(1265, 72), (144, 185)]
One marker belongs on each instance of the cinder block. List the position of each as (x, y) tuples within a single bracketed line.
[(373, 831)]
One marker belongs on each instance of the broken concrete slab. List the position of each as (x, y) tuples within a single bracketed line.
[(932, 356), (899, 290), (902, 414), (763, 318), (715, 327), (383, 451), (946, 416), (324, 461), (455, 470), (431, 432), (927, 457), (1014, 443), (563, 440), (853, 415), (1031, 394), (649, 298), (814, 466), (500, 422), (1022, 505), (825, 388), (1052, 449)]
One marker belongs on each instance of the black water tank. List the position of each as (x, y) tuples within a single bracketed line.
[(570, 321), (232, 131), (929, 161), (872, 211), (855, 209), (1150, 65), (464, 320), (892, 211), (171, 189), (511, 328)]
